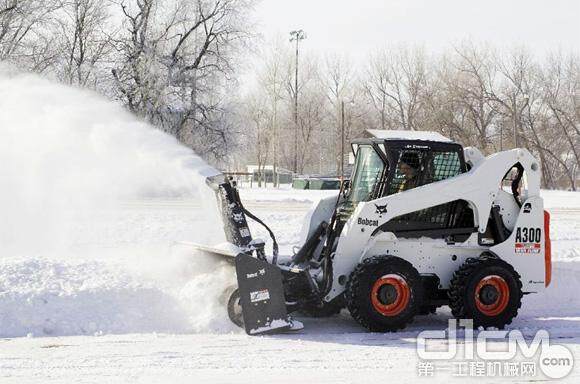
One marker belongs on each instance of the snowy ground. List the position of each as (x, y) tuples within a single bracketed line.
[(122, 303)]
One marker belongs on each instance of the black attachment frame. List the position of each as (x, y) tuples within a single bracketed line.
[(234, 217)]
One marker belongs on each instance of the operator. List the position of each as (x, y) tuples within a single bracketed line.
[(409, 164)]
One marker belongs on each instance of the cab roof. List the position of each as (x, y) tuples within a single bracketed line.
[(407, 135)]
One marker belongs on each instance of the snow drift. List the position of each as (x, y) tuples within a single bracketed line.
[(68, 160), (51, 297)]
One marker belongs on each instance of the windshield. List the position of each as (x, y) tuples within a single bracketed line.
[(368, 168)]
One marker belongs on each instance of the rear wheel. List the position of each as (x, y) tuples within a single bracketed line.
[(487, 290), (384, 293)]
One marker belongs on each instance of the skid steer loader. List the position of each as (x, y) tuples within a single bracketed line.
[(421, 223)]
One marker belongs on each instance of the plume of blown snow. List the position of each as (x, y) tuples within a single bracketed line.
[(69, 159), (67, 151)]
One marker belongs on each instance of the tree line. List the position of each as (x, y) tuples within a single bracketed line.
[(176, 63), (171, 62), (474, 94)]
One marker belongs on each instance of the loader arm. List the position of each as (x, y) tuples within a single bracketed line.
[(267, 292)]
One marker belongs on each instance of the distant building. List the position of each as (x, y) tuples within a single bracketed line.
[(284, 175)]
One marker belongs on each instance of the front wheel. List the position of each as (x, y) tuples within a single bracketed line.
[(487, 290), (384, 293), (235, 309)]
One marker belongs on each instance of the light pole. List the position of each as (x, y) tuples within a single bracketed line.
[(342, 140), (342, 137), (296, 36)]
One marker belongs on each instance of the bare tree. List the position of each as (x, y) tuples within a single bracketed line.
[(469, 83), (85, 44), (177, 62), (272, 82), (24, 32), (395, 82), (308, 83), (199, 55), (560, 94), (261, 136), (338, 79), (310, 119), (135, 62), (519, 111)]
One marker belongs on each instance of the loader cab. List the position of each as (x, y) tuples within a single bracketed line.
[(385, 166)]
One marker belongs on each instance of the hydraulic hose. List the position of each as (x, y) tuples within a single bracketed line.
[(253, 217)]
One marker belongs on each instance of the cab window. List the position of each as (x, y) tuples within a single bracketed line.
[(408, 171), (420, 167), (445, 165), (367, 172)]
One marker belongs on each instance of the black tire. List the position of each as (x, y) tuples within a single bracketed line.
[(364, 279), (466, 295), (235, 309)]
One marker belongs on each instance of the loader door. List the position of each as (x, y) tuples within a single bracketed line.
[(368, 175)]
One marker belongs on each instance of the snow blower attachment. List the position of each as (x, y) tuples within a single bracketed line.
[(422, 223), (260, 291)]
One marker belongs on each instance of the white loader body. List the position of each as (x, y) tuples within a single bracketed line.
[(421, 223), (481, 187)]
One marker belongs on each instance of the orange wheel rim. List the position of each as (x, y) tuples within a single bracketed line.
[(492, 295), (390, 295)]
